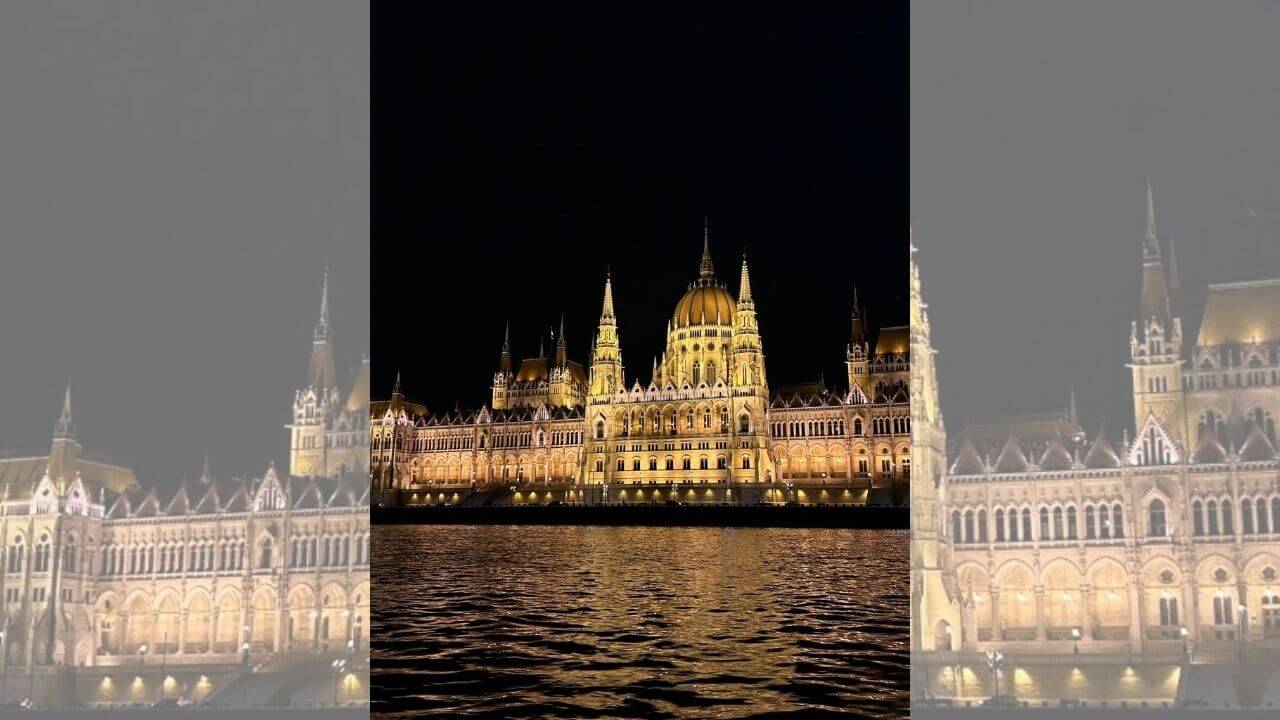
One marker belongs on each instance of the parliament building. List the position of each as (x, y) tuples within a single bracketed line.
[(1103, 566), (703, 427), (115, 594)]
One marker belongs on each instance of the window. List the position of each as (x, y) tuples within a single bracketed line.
[(1212, 510), (686, 463), (15, 556), (999, 525), (622, 464), (1057, 523), (746, 462), (599, 466), (42, 554), (1044, 523), (1246, 516), (968, 526), (1197, 518), (982, 525), (264, 558), (653, 463), (703, 463), (1090, 526), (1155, 519), (1071, 523), (1222, 611), (1168, 610), (1026, 524), (720, 463), (599, 430), (635, 464), (955, 527), (744, 424)]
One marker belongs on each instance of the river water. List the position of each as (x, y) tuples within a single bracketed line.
[(590, 622)]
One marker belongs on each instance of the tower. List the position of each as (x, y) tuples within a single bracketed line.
[(606, 358), (65, 450), (935, 612), (748, 353), (502, 378), (316, 400), (858, 354), (1155, 343)]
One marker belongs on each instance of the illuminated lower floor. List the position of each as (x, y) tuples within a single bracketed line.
[(633, 492)]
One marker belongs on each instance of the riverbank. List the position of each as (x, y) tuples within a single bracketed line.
[(802, 516)]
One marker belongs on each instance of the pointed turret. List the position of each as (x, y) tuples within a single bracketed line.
[(858, 331), (706, 269), (206, 475), (606, 310), (1071, 408), (562, 351), (1155, 296), (744, 285), (321, 369), (65, 428), (504, 365)]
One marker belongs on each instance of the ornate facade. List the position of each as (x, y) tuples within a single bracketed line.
[(182, 591), (1165, 545), (704, 427)]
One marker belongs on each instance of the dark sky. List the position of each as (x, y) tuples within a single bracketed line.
[(1033, 129), (518, 154), (175, 175)]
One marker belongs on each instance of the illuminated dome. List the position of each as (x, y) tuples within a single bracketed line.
[(704, 300)]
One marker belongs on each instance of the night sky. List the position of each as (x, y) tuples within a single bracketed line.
[(517, 156)]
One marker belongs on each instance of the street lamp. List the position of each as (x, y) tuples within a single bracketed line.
[(994, 657), (338, 666), (315, 629), (142, 650), (1075, 637), (1183, 633)]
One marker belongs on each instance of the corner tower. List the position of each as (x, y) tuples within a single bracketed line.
[(606, 355), (858, 355), (1155, 342)]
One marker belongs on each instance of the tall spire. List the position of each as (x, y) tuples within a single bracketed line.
[(705, 268), (606, 311), (1150, 245), (562, 355), (858, 331), (65, 427), (395, 389), (321, 372), (206, 476), (744, 284), (505, 363), (1155, 295)]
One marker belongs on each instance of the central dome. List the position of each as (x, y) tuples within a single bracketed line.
[(704, 300)]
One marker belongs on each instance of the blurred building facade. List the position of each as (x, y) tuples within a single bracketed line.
[(202, 583), (1163, 543)]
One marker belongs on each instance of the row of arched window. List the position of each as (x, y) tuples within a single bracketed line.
[(813, 428), (1102, 521)]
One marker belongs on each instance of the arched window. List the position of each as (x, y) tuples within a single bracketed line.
[(1197, 518), (1071, 522), (697, 372), (1212, 510), (15, 556), (744, 424), (1156, 526), (1057, 523), (1090, 524), (955, 527), (1260, 506), (1246, 516), (968, 526), (999, 524), (42, 554), (69, 555), (264, 557), (1275, 514), (1044, 523), (1117, 520), (857, 426), (982, 525), (622, 464), (599, 429), (746, 462), (1013, 524), (1026, 524), (1228, 525)]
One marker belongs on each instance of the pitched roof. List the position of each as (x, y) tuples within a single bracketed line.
[(1241, 313)]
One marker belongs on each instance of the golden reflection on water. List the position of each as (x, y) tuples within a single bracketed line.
[(638, 622)]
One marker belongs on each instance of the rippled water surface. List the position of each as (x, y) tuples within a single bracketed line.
[(639, 622)]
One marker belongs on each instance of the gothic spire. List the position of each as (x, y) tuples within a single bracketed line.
[(321, 372), (395, 389), (206, 476), (505, 363), (606, 311), (65, 427), (858, 332), (744, 284), (1150, 245), (705, 268), (562, 356), (1155, 295)]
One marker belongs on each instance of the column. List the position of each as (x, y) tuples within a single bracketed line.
[(1135, 614), (1086, 614), (996, 633), (1039, 591), (182, 632), (213, 625)]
